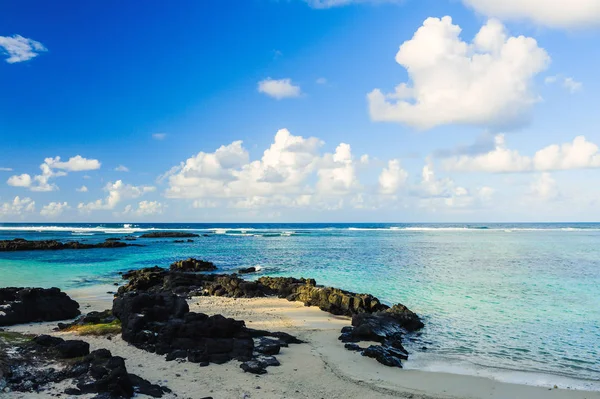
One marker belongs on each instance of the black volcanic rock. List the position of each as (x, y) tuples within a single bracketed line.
[(193, 265), (19, 244), (26, 305), (31, 365), (247, 270), (169, 234)]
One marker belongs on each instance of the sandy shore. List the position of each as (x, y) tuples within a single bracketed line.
[(321, 368)]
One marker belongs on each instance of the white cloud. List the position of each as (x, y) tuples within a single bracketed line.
[(279, 89), (23, 180), (322, 4), (146, 208), (544, 187), (337, 172), (6, 169), (487, 82), (579, 154), (321, 81), (568, 83), (200, 204), (117, 192), (159, 136), (572, 85), (122, 168), (19, 48), (54, 209), (41, 182), (74, 164), (555, 13), (392, 178), (445, 193), (18, 207), (82, 189)]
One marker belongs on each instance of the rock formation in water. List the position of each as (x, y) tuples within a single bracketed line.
[(20, 244)]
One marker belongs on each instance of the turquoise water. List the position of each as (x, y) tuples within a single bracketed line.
[(512, 300)]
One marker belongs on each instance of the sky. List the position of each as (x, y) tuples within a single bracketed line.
[(300, 111)]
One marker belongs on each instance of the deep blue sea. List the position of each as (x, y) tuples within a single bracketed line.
[(517, 302)]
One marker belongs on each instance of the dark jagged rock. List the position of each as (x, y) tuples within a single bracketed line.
[(247, 270), (26, 305), (332, 300), (169, 234), (254, 367), (193, 265), (72, 348), (19, 244), (385, 355), (143, 279), (97, 372), (162, 323)]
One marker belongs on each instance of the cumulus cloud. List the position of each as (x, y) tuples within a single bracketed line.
[(556, 14), (82, 189), (41, 182), (159, 136), (578, 154), (487, 82), (146, 208), (122, 168), (54, 209), (117, 192), (544, 187), (74, 164), (439, 193), (17, 207), (19, 48), (279, 89), (392, 177), (23, 180)]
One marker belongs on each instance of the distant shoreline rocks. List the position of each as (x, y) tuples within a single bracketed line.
[(169, 234), (20, 244)]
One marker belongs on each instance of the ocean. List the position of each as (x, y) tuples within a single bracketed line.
[(514, 302)]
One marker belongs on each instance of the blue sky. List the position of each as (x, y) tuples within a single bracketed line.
[(496, 121)]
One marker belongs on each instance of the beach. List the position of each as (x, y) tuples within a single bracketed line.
[(319, 368)]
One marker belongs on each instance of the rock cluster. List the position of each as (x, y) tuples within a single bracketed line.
[(26, 305), (169, 234), (386, 327), (33, 363), (193, 265), (20, 244), (328, 299), (162, 323)]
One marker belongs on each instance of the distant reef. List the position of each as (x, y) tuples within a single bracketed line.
[(169, 234), (20, 244)]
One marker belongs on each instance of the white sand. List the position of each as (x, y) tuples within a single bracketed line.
[(321, 368)]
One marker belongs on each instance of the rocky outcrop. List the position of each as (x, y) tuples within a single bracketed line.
[(31, 369), (26, 305), (193, 265), (247, 270), (386, 327), (169, 234), (162, 323), (20, 244), (328, 299)]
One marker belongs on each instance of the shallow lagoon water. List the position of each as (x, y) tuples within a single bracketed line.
[(517, 302)]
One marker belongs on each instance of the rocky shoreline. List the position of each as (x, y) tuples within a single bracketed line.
[(153, 315), (20, 244)]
